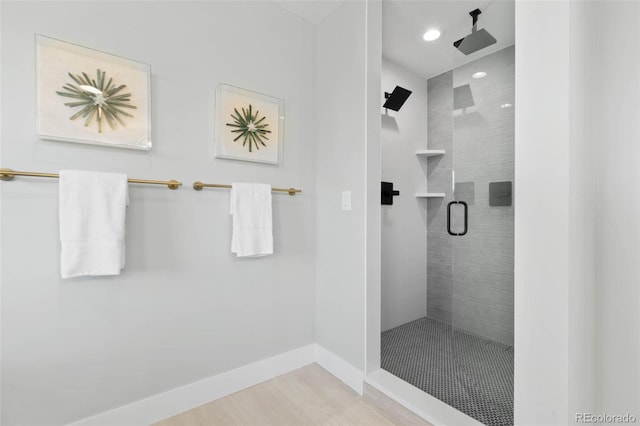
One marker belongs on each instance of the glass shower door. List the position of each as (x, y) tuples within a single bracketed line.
[(481, 220)]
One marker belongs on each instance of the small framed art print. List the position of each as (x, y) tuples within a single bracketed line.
[(249, 126)]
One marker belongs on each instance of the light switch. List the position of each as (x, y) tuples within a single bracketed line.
[(346, 200)]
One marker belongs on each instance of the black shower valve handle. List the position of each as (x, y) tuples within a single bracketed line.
[(392, 193), (387, 193)]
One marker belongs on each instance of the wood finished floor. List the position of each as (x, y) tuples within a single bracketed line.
[(308, 396)]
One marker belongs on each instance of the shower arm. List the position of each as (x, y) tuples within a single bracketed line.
[(474, 14)]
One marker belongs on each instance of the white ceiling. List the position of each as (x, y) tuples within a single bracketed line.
[(405, 21), (313, 11)]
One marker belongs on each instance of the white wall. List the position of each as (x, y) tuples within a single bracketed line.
[(542, 243), (373, 215), (404, 232), (616, 131), (340, 166), (582, 386), (183, 308), (577, 231)]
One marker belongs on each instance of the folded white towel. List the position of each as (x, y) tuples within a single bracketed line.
[(92, 222), (252, 221)]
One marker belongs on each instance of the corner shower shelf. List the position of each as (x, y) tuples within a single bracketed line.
[(430, 194), (430, 152)]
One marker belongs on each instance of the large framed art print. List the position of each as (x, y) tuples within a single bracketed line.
[(88, 96)]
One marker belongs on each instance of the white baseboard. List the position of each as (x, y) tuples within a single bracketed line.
[(424, 405), (159, 407), (340, 368), (176, 401)]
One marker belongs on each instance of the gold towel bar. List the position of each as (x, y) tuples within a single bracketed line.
[(199, 185), (8, 174)]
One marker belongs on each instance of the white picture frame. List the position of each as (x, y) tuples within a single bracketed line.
[(92, 97), (249, 126)]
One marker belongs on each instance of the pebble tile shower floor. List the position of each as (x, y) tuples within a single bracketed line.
[(468, 372)]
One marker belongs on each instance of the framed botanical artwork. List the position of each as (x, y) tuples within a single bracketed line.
[(249, 126), (93, 97)]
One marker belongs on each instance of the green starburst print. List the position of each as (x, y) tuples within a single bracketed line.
[(97, 99), (250, 127)]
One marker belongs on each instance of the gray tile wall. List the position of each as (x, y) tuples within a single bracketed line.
[(470, 278), (439, 244)]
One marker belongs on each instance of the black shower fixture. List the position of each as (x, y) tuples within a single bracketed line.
[(478, 39), (387, 193), (397, 98)]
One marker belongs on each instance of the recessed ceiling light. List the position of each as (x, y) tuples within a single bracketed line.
[(506, 106), (479, 74), (431, 35)]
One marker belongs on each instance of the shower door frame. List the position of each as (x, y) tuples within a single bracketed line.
[(416, 400)]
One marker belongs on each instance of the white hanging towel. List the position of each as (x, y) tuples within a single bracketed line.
[(92, 222), (252, 220)]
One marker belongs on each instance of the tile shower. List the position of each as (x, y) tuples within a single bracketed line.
[(462, 350)]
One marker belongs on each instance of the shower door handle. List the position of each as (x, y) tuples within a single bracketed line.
[(466, 218)]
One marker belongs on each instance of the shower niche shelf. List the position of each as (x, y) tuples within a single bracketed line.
[(426, 153), (430, 152), (430, 194)]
